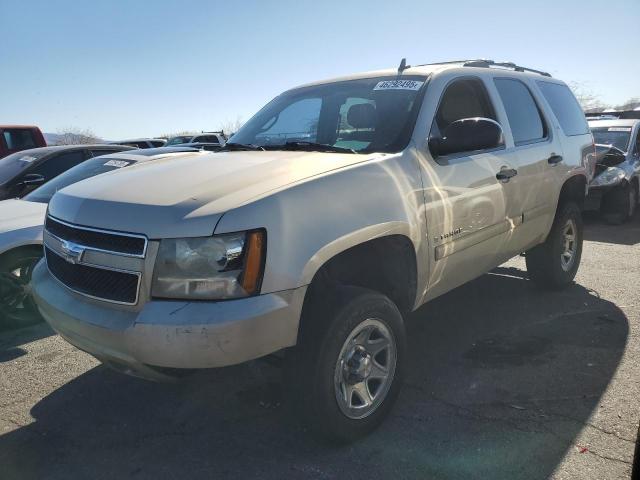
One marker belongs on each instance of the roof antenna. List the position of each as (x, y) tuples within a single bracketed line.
[(403, 65)]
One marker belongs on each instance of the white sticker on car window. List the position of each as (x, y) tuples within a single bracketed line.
[(398, 85), (619, 129), (27, 159), (116, 163)]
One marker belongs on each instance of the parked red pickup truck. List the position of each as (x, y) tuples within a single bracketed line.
[(14, 138)]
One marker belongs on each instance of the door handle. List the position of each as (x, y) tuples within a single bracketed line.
[(505, 174), (554, 159)]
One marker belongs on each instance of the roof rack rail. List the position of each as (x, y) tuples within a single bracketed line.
[(484, 63), (511, 65)]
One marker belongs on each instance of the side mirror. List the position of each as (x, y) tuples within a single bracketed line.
[(32, 179), (467, 135)]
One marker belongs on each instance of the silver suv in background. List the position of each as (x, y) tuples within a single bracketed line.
[(339, 208), (204, 138)]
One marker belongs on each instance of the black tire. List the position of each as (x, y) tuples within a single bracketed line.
[(546, 265), (17, 308), (311, 370), (619, 205)]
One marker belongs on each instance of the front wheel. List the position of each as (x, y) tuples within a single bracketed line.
[(346, 372), (619, 205), (554, 263), (17, 307)]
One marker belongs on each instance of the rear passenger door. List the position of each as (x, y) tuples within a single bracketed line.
[(534, 153)]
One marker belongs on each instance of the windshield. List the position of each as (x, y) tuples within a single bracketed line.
[(617, 136), (13, 164), (178, 140), (89, 168), (373, 114)]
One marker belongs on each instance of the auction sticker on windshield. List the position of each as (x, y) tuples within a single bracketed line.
[(398, 85), (116, 163)]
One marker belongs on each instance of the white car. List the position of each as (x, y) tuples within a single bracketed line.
[(208, 138), (21, 224)]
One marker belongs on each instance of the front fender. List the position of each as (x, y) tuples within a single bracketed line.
[(310, 222), (21, 237)]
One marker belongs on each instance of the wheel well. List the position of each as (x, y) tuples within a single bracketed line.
[(573, 190), (386, 265), (33, 248)]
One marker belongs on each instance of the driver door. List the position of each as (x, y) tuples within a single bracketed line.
[(465, 203)]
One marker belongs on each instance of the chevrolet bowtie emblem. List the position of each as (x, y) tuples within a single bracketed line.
[(71, 252)]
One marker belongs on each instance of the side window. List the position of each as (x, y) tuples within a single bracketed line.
[(565, 107), (465, 98), (465, 121), (298, 121), (527, 125), (54, 166), (19, 138), (157, 143)]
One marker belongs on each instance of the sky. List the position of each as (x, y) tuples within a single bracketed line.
[(126, 69)]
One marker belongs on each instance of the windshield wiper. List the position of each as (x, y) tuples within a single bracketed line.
[(230, 147), (312, 146)]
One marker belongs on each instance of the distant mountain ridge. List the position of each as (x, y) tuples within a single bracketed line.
[(51, 138)]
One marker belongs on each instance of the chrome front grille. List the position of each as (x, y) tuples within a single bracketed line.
[(122, 243), (100, 283), (96, 263)]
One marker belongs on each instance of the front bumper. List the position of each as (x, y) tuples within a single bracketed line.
[(593, 201), (170, 334)]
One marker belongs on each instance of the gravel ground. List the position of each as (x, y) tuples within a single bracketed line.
[(504, 382)]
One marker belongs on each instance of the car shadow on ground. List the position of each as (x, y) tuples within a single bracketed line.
[(10, 340), (597, 230), (501, 378)]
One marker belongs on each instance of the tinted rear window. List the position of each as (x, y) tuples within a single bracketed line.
[(565, 107), (19, 138), (522, 112)]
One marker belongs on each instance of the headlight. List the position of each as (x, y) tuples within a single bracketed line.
[(611, 176), (210, 268)]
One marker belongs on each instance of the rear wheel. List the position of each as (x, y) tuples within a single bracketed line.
[(17, 307), (554, 263), (619, 205), (346, 371)]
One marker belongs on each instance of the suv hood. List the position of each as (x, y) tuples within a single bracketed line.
[(186, 197)]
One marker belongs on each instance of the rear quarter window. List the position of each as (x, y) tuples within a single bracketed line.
[(565, 107), (19, 138)]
